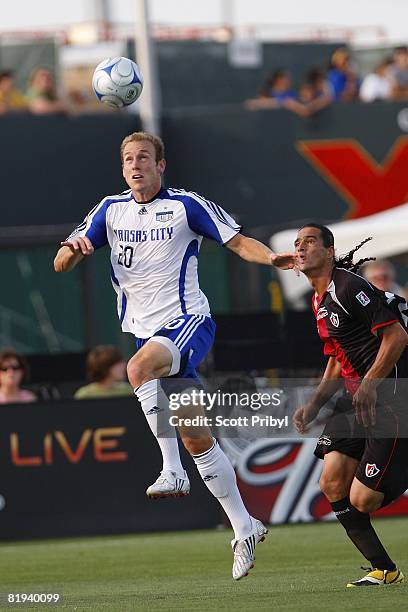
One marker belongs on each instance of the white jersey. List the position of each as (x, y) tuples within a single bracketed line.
[(154, 250)]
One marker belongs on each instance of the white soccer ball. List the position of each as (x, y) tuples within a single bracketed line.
[(117, 82)]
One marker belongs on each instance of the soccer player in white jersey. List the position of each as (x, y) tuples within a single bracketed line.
[(155, 235)]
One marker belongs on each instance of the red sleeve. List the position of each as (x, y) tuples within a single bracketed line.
[(379, 325), (329, 347)]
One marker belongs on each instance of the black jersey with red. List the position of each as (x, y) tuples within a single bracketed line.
[(350, 316)]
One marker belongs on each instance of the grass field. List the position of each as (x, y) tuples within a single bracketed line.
[(300, 567)]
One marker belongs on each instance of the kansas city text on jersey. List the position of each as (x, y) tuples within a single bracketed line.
[(127, 235)]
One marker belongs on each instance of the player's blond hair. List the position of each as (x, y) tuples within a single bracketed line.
[(141, 136)]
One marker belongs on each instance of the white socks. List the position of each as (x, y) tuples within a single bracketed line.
[(155, 406), (218, 474), (213, 465)]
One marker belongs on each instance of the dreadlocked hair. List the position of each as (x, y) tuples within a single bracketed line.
[(346, 261)]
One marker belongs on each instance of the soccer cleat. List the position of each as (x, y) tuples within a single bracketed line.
[(378, 577), (244, 549), (169, 484)]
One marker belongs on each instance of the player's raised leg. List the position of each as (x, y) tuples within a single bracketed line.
[(219, 476), (150, 363)]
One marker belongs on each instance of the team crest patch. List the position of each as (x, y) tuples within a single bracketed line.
[(363, 298), (371, 470), (334, 319), (164, 216)]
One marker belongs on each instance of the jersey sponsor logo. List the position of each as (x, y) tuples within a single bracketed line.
[(371, 470), (334, 319), (363, 298), (143, 211), (164, 216), (321, 313)]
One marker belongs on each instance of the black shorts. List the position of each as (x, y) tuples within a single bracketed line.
[(383, 461)]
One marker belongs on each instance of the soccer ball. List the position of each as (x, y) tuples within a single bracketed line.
[(117, 82)]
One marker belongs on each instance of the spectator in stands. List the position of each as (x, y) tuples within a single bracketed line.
[(13, 372), (398, 73), (277, 92), (377, 85), (342, 77), (381, 273), (106, 370), (11, 100), (276, 89), (41, 95), (315, 92)]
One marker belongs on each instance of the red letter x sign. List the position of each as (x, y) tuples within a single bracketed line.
[(367, 186)]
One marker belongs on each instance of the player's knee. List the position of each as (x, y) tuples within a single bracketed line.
[(196, 445), (332, 487), (138, 372), (364, 503)]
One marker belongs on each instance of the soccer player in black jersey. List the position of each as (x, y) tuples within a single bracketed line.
[(364, 447)]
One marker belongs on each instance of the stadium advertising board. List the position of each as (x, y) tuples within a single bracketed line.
[(83, 467), (279, 480)]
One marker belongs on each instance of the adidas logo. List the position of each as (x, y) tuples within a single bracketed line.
[(210, 477), (154, 410)]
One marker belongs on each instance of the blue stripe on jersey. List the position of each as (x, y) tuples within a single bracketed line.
[(191, 251), (113, 276), (123, 310), (97, 230), (217, 210), (198, 218)]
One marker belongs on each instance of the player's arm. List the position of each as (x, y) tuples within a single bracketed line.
[(330, 383), (88, 236), (365, 304), (71, 253), (393, 343), (256, 252)]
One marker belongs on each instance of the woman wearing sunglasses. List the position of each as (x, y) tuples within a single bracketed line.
[(13, 372)]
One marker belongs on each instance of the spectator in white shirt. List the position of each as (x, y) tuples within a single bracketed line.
[(377, 85)]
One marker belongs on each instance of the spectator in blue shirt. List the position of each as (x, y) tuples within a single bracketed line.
[(278, 87), (342, 77), (277, 92)]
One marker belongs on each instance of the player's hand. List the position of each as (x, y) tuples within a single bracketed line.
[(285, 261), (304, 416), (79, 245), (364, 401)]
